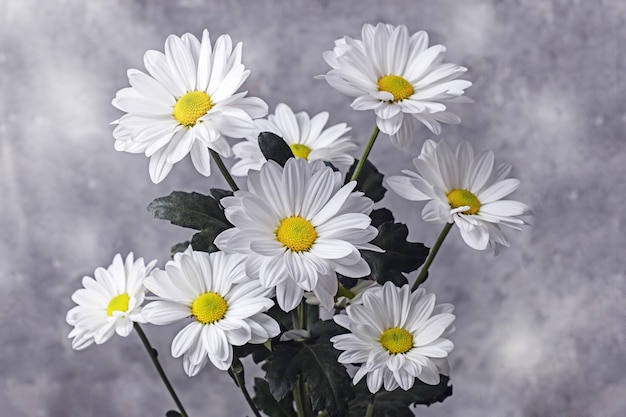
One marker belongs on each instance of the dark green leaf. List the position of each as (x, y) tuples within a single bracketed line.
[(258, 351), (192, 210), (203, 240), (398, 402), (179, 247), (173, 413), (316, 362), (274, 147), (370, 181), (380, 216), (268, 404), (218, 194), (399, 256)]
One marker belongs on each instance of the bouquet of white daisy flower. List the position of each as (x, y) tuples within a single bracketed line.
[(301, 236)]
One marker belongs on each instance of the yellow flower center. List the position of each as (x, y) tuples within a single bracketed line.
[(296, 233), (118, 303), (190, 107), (459, 198), (396, 85), (396, 340), (300, 151), (209, 308)]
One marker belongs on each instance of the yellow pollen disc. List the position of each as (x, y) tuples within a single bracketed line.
[(190, 107), (209, 307), (460, 198), (396, 340), (118, 303), (396, 85), (300, 151), (296, 233)]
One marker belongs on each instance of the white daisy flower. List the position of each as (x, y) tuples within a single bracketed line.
[(306, 137), (186, 103), (464, 189), (226, 308), (110, 303), (399, 77), (396, 336), (299, 226)]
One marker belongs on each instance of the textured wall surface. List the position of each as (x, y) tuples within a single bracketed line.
[(540, 328)]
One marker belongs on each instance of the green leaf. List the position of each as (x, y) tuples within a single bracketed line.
[(380, 216), (370, 180), (316, 362), (397, 403), (268, 404), (399, 256), (218, 194), (192, 210), (179, 247), (203, 240), (173, 413), (274, 147)]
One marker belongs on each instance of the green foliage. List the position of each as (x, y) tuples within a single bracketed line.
[(398, 403), (173, 413), (274, 148), (370, 180), (266, 402), (315, 361), (195, 211), (399, 256)]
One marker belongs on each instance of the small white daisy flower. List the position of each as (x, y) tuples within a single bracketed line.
[(396, 336), (226, 308), (186, 104), (399, 77), (299, 226), (464, 189), (306, 137), (110, 303)]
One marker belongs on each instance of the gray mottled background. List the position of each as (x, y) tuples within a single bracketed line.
[(541, 328)]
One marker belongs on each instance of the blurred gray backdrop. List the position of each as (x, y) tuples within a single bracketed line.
[(541, 328)]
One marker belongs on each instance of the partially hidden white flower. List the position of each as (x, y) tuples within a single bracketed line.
[(186, 104), (224, 306), (299, 226), (306, 136), (396, 336), (110, 303), (345, 296), (398, 76), (465, 189)]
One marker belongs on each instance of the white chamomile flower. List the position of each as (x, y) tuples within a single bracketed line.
[(345, 296), (224, 306), (399, 77), (396, 336), (306, 137), (464, 189), (110, 303), (186, 104), (299, 226)]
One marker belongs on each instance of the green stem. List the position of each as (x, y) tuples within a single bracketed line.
[(155, 361), (241, 383), (220, 164), (431, 256), (365, 154), (300, 392), (371, 403)]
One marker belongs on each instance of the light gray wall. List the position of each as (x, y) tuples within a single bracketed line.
[(540, 328)]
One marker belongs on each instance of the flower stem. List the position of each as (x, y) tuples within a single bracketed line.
[(155, 361), (365, 154), (431, 256), (371, 403), (241, 383), (220, 164), (300, 391)]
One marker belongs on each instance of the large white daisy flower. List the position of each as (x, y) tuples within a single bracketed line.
[(299, 226), (396, 336), (464, 189), (306, 137), (110, 303), (186, 104), (225, 307), (399, 77)]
